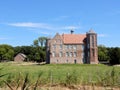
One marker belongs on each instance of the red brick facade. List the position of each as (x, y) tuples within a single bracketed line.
[(72, 48)]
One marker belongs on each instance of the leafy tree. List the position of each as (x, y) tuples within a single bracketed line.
[(42, 41), (6, 52), (103, 53), (109, 54), (22, 49), (39, 45), (114, 54), (35, 43)]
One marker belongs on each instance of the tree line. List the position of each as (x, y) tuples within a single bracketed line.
[(36, 52), (110, 54)]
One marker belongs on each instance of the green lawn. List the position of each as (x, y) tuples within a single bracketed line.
[(62, 73)]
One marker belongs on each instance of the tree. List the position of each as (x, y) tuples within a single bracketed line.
[(103, 53), (6, 52), (114, 54), (35, 43), (42, 41), (39, 45)]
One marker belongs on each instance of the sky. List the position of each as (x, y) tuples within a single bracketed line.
[(23, 21)]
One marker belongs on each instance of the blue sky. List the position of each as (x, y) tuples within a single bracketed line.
[(22, 21)]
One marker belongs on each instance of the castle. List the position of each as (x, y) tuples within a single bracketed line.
[(72, 48)]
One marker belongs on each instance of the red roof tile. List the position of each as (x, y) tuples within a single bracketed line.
[(73, 38)]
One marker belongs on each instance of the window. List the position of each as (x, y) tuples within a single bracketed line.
[(53, 54), (75, 54), (83, 47), (60, 54), (67, 54), (61, 46), (67, 46), (54, 46), (70, 54), (93, 53), (70, 46), (82, 54), (95, 41), (92, 41), (74, 47)]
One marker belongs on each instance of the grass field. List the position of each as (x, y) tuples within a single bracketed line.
[(59, 74)]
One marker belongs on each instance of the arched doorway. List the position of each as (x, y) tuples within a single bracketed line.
[(75, 61)]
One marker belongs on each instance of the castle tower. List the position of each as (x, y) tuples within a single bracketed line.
[(92, 50)]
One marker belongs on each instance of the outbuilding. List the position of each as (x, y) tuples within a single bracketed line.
[(20, 57)]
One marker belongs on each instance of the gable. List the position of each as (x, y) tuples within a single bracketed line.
[(57, 39), (68, 39)]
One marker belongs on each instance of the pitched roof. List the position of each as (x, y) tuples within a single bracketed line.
[(73, 38), (23, 55)]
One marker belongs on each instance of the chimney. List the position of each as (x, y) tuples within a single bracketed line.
[(72, 31)]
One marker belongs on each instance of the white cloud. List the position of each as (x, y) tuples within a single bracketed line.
[(102, 35), (43, 26), (31, 25)]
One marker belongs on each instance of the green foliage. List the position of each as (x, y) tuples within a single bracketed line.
[(102, 53), (25, 82), (33, 53), (6, 52), (71, 78), (114, 54), (39, 45), (1, 76), (37, 81), (109, 78), (42, 41), (35, 43), (109, 54)]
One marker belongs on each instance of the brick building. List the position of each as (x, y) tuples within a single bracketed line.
[(20, 57), (72, 48)]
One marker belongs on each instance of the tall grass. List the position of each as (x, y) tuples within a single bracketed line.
[(34, 76), (71, 78)]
